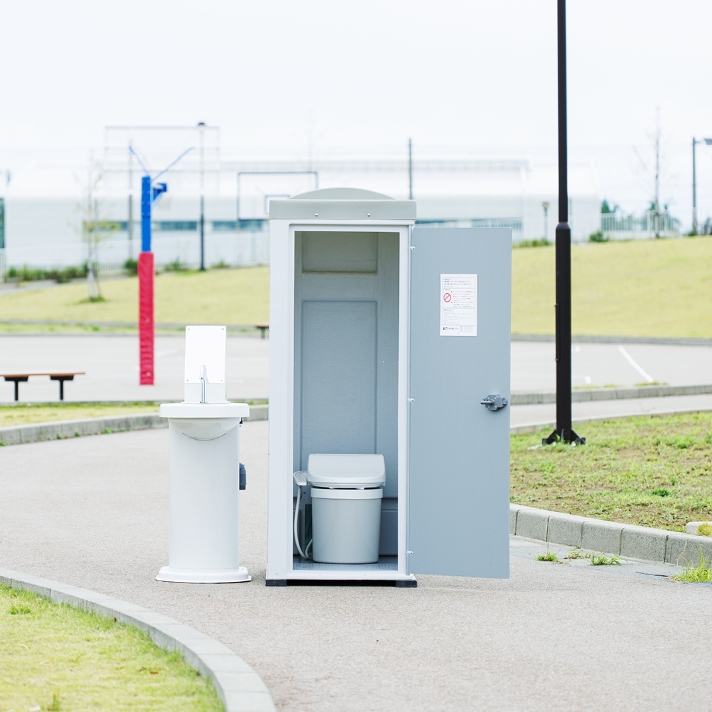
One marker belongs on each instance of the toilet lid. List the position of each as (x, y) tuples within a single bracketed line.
[(346, 471)]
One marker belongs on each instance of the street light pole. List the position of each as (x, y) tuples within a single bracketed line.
[(694, 188), (707, 141), (545, 206), (564, 431), (201, 126), (410, 169)]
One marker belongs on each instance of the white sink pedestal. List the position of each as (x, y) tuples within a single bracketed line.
[(204, 492)]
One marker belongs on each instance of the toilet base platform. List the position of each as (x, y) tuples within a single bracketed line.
[(238, 575)]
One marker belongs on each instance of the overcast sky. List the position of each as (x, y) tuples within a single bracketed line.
[(468, 75)]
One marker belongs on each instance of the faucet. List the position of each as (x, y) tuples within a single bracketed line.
[(204, 384)]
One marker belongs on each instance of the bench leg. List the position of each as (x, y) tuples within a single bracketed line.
[(61, 380), (17, 390)]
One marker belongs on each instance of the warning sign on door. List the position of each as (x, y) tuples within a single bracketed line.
[(458, 305)]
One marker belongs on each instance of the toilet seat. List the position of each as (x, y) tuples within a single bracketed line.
[(331, 471)]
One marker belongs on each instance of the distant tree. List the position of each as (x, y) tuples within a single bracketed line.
[(607, 209), (94, 228)]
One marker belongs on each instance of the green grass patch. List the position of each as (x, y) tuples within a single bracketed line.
[(602, 560), (637, 288), (647, 470), (221, 296), (701, 573), (55, 657), (25, 414)]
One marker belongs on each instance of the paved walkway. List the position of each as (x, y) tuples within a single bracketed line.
[(111, 365), (546, 412), (93, 512)]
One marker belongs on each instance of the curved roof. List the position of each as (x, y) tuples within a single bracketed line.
[(341, 194), (342, 204)]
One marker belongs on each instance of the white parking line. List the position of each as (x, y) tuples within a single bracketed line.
[(632, 362)]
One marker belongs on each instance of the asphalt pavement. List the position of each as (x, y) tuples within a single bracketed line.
[(111, 365), (93, 512)]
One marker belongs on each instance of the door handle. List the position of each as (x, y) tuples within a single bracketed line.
[(494, 402)]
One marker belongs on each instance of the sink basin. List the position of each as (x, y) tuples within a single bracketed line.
[(204, 421)]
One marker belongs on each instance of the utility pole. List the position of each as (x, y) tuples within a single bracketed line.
[(564, 431), (707, 141), (129, 224), (694, 187), (545, 206), (657, 175), (201, 126), (410, 169)]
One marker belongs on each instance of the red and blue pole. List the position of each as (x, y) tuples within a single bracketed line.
[(150, 190), (146, 271)]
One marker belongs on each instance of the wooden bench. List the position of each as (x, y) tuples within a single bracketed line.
[(23, 376), (263, 329)]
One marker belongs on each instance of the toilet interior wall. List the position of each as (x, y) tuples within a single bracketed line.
[(346, 355)]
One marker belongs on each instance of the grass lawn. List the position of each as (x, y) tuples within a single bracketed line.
[(638, 288), (23, 414), (219, 296), (651, 471), (55, 657)]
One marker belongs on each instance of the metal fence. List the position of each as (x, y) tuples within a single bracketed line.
[(514, 224), (651, 224), (242, 249)]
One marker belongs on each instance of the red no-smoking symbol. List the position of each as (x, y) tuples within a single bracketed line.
[(447, 297)]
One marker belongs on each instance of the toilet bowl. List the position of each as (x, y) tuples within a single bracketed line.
[(346, 492)]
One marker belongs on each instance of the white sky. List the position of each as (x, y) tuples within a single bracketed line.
[(469, 75)]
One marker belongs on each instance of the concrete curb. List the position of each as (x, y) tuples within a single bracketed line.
[(62, 429), (239, 687), (171, 326), (545, 425), (585, 395), (613, 538), (671, 340)]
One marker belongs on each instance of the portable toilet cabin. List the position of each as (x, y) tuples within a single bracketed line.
[(389, 384)]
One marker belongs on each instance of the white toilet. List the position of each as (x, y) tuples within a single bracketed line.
[(346, 493)]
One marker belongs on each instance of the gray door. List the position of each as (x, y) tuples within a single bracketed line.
[(458, 491)]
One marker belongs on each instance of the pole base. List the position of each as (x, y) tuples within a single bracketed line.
[(238, 575), (564, 436)]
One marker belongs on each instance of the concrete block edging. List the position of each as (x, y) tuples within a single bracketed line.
[(61, 429), (239, 687), (612, 538)]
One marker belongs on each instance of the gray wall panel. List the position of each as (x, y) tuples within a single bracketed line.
[(338, 378)]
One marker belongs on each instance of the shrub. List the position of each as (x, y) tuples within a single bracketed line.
[(175, 266), (26, 274), (542, 242), (598, 237), (131, 266)]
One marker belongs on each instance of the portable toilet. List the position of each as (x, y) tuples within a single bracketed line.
[(389, 384)]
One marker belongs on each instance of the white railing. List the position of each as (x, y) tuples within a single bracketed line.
[(650, 225), (241, 249)]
